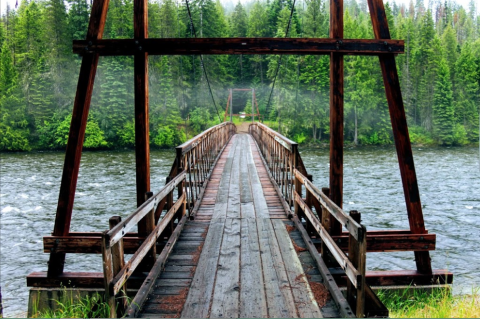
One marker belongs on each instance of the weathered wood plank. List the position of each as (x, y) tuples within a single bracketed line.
[(201, 290), (233, 208), (280, 303), (225, 299), (304, 300), (253, 303), (259, 202)]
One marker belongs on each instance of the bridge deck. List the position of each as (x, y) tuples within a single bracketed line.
[(241, 256)]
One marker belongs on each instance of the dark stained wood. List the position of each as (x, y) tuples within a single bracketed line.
[(400, 133), (392, 242), (189, 46), (357, 250), (108, 273), (336, 113), (118, 261), (159, 265), (142, 144), (398, 277), (76, 135), (133, 263), (76, 280)]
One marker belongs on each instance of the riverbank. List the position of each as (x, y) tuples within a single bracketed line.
[(438, 304)]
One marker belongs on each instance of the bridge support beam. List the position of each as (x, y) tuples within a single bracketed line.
[(336, 113), (400, 134), (142, 145), (76, 135)]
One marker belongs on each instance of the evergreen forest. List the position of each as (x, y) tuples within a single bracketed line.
[(439, 73)]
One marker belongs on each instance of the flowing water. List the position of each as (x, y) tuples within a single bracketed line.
[(449, 181)]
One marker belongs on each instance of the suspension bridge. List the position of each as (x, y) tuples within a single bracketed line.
[(239, 229)]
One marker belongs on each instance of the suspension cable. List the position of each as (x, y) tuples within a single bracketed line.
[(279, 62), (201, 61)]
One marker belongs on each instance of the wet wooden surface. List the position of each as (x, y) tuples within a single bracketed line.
[(241, 256)]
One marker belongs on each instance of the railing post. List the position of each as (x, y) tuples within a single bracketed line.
[(118, 261), (357, 256), (327, 257), (108, 274), (150, 227), (298, 190)]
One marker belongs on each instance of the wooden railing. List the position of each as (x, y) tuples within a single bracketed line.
[(288, 173), (197, 157), (281, 157), (116, 271), (189, 175), (354, 264)]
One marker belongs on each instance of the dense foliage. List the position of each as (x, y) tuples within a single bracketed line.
[(439, 73)]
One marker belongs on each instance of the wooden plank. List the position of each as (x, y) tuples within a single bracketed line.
[(76, 135), (259, 202), (189, 46), (220, 210), (201, 290), (253, 303), (247, 207), (75, 280), (400, 134), (225, 301), (144, 291), (395, 242), (398, 277), (233, 208), (304, 299), (279, 296), (329, 282)]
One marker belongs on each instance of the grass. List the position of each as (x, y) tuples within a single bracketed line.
[(438, 304), (73, 306)]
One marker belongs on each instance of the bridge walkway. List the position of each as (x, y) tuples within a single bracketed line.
[(241, 256)]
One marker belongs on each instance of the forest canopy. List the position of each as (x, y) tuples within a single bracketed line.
[(439, 73)]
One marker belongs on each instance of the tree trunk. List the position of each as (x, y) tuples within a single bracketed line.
[(355, 138)]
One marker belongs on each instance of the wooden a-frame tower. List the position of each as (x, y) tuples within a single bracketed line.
[(141, 47)]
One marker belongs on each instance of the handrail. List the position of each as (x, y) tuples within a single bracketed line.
[(198, 156), (189, 174), (119, 231), (281, 156), (116, 271), (289, 176), (354, 264)]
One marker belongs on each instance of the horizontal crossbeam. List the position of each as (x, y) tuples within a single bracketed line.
[(191, 46)]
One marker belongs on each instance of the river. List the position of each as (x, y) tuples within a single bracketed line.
[(449, 181)]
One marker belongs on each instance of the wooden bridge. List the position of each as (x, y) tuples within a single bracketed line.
[(240, 229)]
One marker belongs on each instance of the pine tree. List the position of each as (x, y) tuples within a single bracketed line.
[(238, 22), (467, 92), (8, 73), (77, 19), (443, 110)]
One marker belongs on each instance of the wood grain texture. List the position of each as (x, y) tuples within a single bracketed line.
[(189, 46), (76, 134), (400, 134)]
